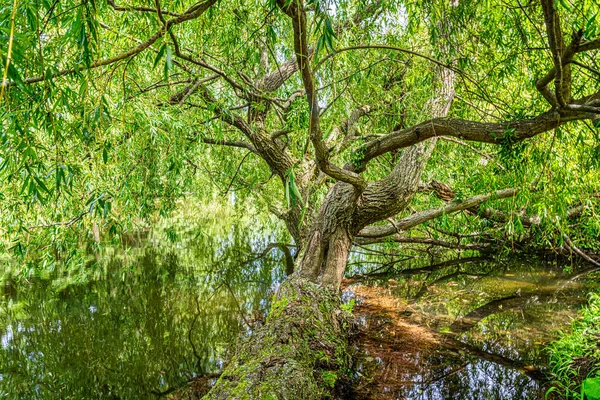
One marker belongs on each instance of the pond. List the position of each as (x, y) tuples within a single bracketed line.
[(154, 314), (471, 328)]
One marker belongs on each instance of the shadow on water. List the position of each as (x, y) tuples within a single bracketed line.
[(461, 329), (145, 321)]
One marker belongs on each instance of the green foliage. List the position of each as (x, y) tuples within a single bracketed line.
[(292, 194), (108, 146), (575, 357), (324, 27), (590, 389), (358, 155), (349, 306)]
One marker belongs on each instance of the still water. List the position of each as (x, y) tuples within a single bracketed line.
[(464, 329), (153, 314)]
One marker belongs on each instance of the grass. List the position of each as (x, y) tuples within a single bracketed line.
[(575, 357)]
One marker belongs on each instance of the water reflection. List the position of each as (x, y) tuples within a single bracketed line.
[(150, 318), (141, 323), (458, 330)]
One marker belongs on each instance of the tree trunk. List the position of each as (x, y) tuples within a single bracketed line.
[(324, 258), (302, 352)]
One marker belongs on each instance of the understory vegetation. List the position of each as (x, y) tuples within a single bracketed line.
[(575, 357)]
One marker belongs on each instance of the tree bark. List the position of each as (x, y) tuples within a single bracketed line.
[(323, 260), (302, 352)]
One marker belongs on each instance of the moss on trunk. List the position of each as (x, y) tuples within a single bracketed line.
[(302, 351)]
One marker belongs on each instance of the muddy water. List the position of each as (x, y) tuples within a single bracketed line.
[(471, 330)]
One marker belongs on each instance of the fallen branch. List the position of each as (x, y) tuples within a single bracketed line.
[(419, 240), (580, 253)]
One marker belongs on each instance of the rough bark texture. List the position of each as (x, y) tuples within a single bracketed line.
[(302, 352), (324, 258)]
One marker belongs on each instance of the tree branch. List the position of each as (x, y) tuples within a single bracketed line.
[(580, 253), (273, 80), (201, 63), (427, 215), (486, 132), (347, 129), (295, 10), (386, 47), (223, 142), (556, 42), (420, 240), (192, 13), (140, 9)]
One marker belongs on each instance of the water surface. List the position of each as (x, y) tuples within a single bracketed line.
[(464, 329), (154, 314), (150, 316)]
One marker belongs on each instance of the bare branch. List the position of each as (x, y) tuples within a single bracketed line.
[(275, 79), (579, 252), (66, 224), (278, 160), (427, 215), (236, 86), (587, 67), (181, 96), (589, 45)]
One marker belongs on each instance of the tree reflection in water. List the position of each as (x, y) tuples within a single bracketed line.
[(151, 318), (146, 321), (471, 329)]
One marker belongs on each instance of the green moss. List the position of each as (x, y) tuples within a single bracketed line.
[(302, 352), (277, 307), (330, 378)]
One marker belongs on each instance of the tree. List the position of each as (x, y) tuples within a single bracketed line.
[(338, 104)]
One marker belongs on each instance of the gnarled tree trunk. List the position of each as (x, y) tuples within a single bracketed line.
[(303, 350)]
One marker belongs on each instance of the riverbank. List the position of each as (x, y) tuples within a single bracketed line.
[(575, 357)]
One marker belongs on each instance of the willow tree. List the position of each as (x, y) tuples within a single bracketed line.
[(329, 112)]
